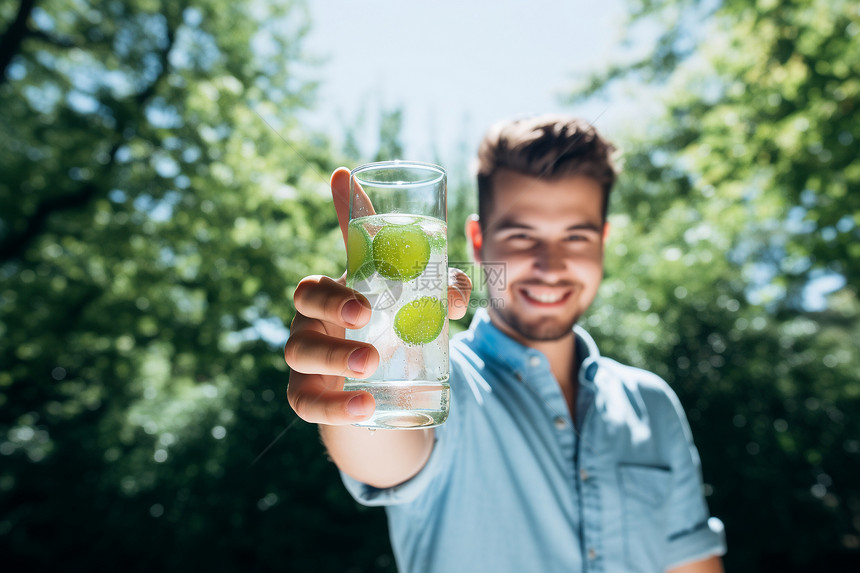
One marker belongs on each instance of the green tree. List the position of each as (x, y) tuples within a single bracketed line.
[(152, 230), (390, 127), (731, 209)]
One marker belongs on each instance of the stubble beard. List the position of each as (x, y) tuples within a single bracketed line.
[(546, 330)]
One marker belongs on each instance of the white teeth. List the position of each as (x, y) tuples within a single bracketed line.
[(544, 297)]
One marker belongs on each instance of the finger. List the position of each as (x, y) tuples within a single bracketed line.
[(320, 297), (340, 196), (459, 291), (313, 401), (312, 352), (340, 193)]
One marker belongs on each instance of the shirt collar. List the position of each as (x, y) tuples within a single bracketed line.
[(493, 345)]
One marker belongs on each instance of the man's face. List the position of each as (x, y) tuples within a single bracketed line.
[(550, 236)]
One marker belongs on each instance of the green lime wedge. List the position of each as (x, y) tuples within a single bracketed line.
[(439, 242), (421, 320), (358, 247), (401, 252)]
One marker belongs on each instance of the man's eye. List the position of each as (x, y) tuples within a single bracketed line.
[(517, 238)]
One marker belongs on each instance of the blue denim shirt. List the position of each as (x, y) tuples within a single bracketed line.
[(513, 484)]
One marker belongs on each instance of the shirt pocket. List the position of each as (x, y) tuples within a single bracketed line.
[(644, 491)]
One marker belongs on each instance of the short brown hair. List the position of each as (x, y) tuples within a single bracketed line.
[(548, 147)]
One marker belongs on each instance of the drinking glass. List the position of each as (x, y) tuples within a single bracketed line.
[(397, 257)]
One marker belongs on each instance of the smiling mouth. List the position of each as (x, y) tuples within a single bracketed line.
[(544, 296)]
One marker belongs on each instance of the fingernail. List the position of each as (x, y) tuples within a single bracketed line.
[(350, 311), (357, 361), (355, 406)]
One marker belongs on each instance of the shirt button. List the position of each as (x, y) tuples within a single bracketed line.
[(560, 423), (592, 554), (534, 361), (583, 474)]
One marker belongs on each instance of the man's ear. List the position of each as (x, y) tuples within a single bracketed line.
[(605, 231), (474, 236)]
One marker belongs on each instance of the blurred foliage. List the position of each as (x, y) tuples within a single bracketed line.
[(153, 228), (390, 129), (732, 212)]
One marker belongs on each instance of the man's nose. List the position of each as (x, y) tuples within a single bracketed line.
[(550, 260)]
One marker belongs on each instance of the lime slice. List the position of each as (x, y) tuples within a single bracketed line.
[(421, 320), (358, 246), (401, 252), (439, 242)]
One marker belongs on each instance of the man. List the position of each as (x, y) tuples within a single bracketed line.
[(553, 458)]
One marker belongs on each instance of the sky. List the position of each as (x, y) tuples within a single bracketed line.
[(455, 67)]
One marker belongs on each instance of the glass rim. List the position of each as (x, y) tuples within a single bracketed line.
[(438, 170)]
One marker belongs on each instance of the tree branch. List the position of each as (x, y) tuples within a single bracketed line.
[(164, 60), (10, 43), (14, 244), (57, 41)]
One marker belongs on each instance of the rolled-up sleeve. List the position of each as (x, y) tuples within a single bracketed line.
[(693, 534), (407, 491)]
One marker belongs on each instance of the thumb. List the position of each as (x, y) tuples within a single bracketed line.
[(340, 193)]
